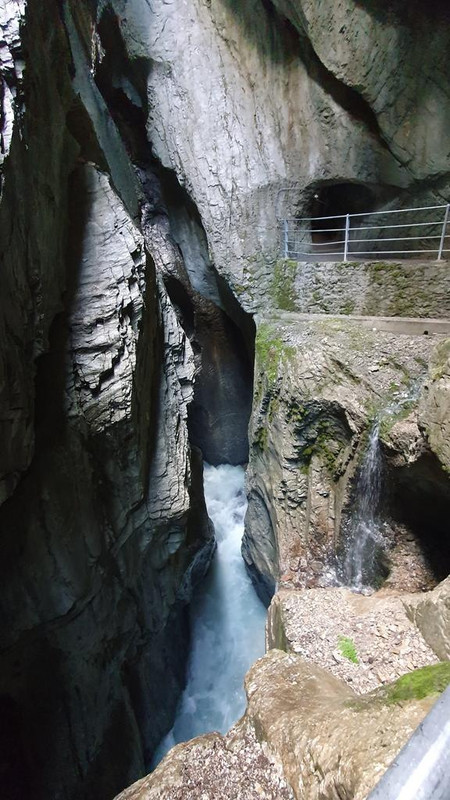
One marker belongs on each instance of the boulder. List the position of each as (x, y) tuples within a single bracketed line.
[(431, 613)]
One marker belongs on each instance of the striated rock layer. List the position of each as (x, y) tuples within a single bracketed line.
[(320, 384), (145, 151)]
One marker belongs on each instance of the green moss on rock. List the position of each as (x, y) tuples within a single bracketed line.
[(415, 685), (420, 683), (283, 285), (270, 351), (260, 438)]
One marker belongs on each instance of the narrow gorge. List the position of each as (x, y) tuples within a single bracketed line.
[(224, 398)]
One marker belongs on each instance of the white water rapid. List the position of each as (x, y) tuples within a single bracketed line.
[(227, 621)]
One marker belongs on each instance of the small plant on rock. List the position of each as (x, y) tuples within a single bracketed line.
[(346, 647)]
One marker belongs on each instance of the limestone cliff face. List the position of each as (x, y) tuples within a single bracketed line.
[(259, 105), (103, 525), (145, 151)]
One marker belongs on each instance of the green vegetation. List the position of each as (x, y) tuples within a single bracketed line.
[(270, 350), (318, 434), (328, 443), (283, 285), (348, 307), (419, 683), (388, 422), (414, 685), (346, 647), (260, 438)]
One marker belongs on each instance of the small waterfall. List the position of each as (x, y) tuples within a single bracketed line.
[(364, 534), (227, 621)]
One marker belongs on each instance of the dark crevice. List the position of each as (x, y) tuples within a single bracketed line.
[(419, 498), (222, 334), (411, 14)]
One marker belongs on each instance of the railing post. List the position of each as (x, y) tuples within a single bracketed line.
[(444, 228), (347, 229), (286, 238)]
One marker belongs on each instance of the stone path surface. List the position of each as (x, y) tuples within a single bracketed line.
[(312, 622)]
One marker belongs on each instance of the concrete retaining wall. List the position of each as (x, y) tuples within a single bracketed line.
[(374, 288)]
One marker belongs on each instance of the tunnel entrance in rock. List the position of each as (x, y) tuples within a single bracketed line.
[(329, 205)]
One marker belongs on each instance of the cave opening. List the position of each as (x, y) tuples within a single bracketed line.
[(329, 205), (394, 531), (419, 501)]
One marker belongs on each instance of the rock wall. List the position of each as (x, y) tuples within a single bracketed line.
[(103, 525), (305, 96), (146, 152), (376, 288), (319, 384)]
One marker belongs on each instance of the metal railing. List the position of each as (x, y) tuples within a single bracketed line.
[(364, 236)]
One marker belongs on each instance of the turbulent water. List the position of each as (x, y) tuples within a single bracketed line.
[(227, 620)]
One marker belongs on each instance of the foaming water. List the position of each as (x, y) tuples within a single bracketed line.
[(227, 621)]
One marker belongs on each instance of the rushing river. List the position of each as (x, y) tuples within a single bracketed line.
[(227, 621)]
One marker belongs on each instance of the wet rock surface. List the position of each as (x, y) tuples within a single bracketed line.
[(319, 385)]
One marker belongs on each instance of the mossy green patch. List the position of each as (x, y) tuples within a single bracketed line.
[(347, 307), (416, 685), (260, 438), (420, 683), (388, 422), (283, 285), (319, 435), (270, 351)]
